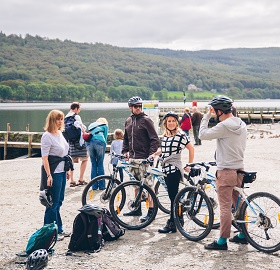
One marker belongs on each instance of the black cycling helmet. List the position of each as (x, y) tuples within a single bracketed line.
[(92, 210), (45, 197), (37, 260), (221, 103), (171, 113), (134, 100)]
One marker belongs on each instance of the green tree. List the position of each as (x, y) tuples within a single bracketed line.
[(6, 92), (100, 96)]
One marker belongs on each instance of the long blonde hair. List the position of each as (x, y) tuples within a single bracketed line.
[(53, 115), (166, 131)]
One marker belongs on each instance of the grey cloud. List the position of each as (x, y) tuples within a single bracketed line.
[(178, 24)]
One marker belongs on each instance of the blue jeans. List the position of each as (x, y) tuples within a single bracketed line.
[(58, 190), (96, 150)]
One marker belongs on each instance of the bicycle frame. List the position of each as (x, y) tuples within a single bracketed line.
[(243, 195)]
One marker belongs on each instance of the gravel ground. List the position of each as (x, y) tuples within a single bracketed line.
[(22, 214)]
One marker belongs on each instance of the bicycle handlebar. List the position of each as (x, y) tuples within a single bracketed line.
[(203, 164)]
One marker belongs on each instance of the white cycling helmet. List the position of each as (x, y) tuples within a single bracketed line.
[(45, 197), (37, 260), (134, 100)]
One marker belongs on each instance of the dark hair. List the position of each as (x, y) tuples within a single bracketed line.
[(75, 105)]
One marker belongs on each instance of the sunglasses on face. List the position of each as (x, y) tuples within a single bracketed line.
[(137, 106)]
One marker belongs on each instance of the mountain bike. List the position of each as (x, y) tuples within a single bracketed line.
[(257, 216), (200, 172), (132, 196), (193, 209), (90, 196)]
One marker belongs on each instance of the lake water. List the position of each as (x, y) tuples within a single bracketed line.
[(34, 114)]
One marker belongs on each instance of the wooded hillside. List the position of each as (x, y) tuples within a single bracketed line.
[(36, 68)]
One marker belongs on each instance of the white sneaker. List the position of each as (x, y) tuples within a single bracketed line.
[(60, 237), (65, 234)]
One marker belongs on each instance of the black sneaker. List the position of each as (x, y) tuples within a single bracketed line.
[(136, 213), (216, 246), (149, 214), (238, 240)]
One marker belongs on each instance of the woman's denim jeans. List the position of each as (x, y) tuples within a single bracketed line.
[(96, 150), (58, 190)]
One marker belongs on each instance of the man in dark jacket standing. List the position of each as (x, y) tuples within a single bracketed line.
[(196, 120), (140, 141)]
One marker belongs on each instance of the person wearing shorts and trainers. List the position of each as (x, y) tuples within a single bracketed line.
[(231, 135), (140, 141), (80, 154)]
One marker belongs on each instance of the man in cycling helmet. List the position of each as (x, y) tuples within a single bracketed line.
[(231, 134), (140, 141)]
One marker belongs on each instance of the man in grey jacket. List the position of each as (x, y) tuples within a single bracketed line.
[(231, 135)]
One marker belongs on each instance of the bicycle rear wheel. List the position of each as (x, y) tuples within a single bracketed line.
[(193, 213), (99, 197), (261, 223), (162, 196), (123, 201)]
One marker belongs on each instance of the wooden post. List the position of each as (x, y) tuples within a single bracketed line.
[(30, 136), (6, 140)]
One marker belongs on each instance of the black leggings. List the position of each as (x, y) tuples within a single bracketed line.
[(172, 181)]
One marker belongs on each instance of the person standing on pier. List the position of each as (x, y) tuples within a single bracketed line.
[(77, 154), (140, 141), (54, 149), (186, 121), (196, 120)]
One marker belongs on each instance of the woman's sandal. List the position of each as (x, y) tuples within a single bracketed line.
[(81, 183), (73, 184)]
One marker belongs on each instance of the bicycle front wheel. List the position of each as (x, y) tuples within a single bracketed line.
[(260, 221), (99, 197), (193, 213), (133, 197)]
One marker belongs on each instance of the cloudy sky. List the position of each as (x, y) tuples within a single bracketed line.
[(173, 24)]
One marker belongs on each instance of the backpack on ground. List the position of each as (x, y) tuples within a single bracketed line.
[(110, 229), (44, 238), (71, 133), (86, 234)]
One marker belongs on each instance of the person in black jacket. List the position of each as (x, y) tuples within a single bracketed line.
[(140, 141), (196, 120)]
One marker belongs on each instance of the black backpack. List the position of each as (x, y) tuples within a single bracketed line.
[(86, 234), (71, 133), (110, 229)]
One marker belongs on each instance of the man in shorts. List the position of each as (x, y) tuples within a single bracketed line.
[(77, 154)]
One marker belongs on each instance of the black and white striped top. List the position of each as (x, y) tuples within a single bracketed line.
[(170, 146)]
